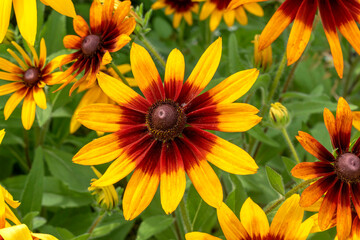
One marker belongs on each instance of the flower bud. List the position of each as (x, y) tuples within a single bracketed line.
[(262, 59), (279, 116), (106, 197)]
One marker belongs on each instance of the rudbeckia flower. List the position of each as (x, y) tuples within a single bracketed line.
[(161, 135), (27, 81), (253, 224), (180, 8), (335, 15), (26, 15), (338, 174), (94, 94), (219, 9), (106, 196), (109, 31)]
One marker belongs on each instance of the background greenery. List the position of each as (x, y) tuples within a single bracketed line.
[(36, 165)]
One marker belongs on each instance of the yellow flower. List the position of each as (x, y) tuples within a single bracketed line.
[(180, 8), (27, 81), (26, 15), (94, 94), (262, 59), (106, 196), (219, 9), (286, 225)]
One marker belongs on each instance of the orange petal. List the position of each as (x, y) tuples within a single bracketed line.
[(301, 30), (72, 42), (200, 236), (343, 215), (9, 76), (328, 22), (39, 97), (42, 53), (254, 220), (343, 124), (95, 16), (80, 26), (10, 87), (278, 22), (330, 126), (316, 190), (310, 170), (328, 206), (9, 66), (315, 148)]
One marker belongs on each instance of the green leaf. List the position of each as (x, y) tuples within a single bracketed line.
[(54, 31), (153, 225), (60, 164), (275, 180), (43, 115), (258, 133), (28, 219), (237, 196), (31, 197), (82, 237), (235, 64)]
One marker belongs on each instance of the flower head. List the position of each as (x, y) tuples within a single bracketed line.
[(339, 174), (180, 8), (26, 15), (219, 9), (106, 196), (27, 81), (94, 94), (109, 31), (253, 224), (161, 135), (335, 15)]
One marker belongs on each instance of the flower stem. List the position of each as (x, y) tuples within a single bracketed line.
[(278, 75), (96, 222), (152, 49), (122, 77), (184, 216), (298, 187), (292, 148)]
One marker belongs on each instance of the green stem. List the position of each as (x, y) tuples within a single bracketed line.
[(196, 215), (177, 228), (96, 222), (289, 78), (278, 75), (152, 49), (122, 77), (298, 187), (292, 148), (184, 216)]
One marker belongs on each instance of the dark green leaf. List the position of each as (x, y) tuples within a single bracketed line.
[(275, 180), (147, 228)]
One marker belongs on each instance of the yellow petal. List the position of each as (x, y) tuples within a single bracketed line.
[(229, 18), (215, 19), (42, 53), (10, 87), (42, 236), (139, 192), (23, 53), (16, 233), (13, 101), (39, 97), (174, 74), (200, 236), (236, 3), (230, 224), (206, 10), (65, 7), (2, 134), (203, 71), (5, 11), (254, 219), (28, 111), (254, 8), (2, 210), (9, 66), (177, 19), (26, 17), (241, 16)]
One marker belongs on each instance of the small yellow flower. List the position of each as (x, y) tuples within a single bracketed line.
[(279, 115), (26, 15), (262, 59), (106, 196)]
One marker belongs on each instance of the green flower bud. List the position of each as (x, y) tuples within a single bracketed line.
[(279, 116)]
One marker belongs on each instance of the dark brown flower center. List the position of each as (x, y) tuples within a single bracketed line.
[(181, 5), (221, 4), (165, 120), (31, 76), (347, 167), (90, 44)]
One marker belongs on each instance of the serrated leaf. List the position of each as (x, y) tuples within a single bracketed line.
[(275, 180), (153, 225), (31, 197)]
